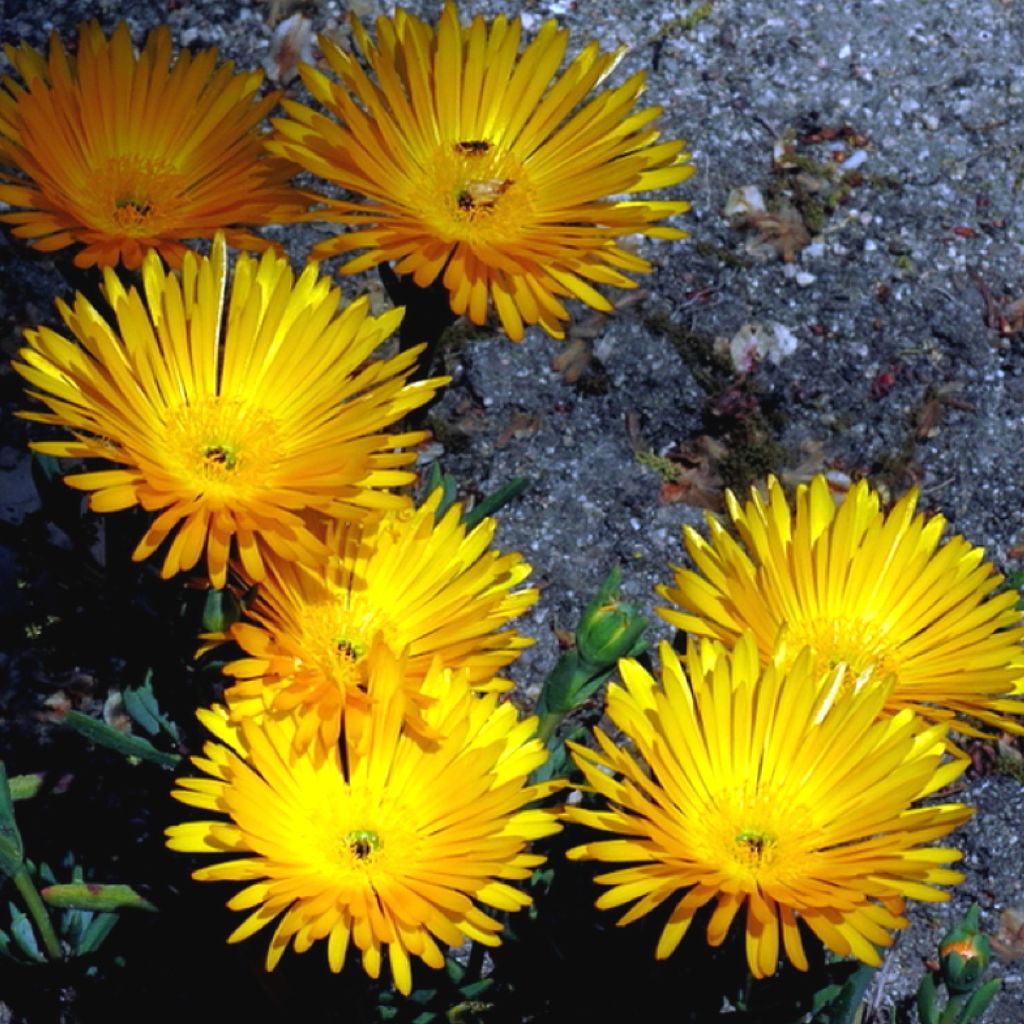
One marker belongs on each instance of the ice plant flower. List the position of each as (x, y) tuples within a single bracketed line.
[(398, 846), (865, 588), (481, 165), (771, 789), (123, 152), (425, 588), (229, 424)]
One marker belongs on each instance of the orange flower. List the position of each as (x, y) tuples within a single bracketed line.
[(481, 166), (123, 153), (228, 412), (425, 587)]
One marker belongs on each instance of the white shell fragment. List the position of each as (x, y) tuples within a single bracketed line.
[(755, 342)]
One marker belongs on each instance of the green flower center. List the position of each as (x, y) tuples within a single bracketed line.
[(755, 843), (362, 843)]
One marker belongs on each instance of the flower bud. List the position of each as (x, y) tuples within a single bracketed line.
[(964, 954), (609, 629), (221, 611)]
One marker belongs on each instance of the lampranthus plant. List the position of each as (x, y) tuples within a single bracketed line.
[(771, 789), (123, 152), (865, 588), (483, 166), (229, 424), (425, 588), (398, 844)]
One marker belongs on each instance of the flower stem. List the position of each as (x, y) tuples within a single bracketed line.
[(37, 910)]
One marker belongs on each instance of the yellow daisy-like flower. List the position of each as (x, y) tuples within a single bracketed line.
[(428, 589), (396, 845), (862, 588), (483, 166), (775, 789), (124, 153), (228, 422)]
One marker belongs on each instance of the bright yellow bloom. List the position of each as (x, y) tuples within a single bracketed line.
[(124, 153), (775, 789), (484, 166), (862, 588), (228, 422), (395, 845), (426, 589)]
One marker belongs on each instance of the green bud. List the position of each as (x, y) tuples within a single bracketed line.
[(221, 611), (609, 629), (964, 953)]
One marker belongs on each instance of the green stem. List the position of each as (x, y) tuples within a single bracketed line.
[(549, 722), (34, 905)]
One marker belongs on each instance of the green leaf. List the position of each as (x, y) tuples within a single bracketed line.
[(846, 1007), (140, 703), (496, 501), (24, 935), (96, 933), (12, 850), (476, 988), (24, 787), (927, 1000), (979, 1002), (93, 896), (131, 746), (449, 489), (455, 971)]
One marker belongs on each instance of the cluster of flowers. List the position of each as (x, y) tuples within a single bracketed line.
[(374, 787), (471, 161), (776, 766), (366, 780)]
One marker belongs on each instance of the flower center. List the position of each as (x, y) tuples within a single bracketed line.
[(755, 846), (367, 834), (362, 843), (761, 836), (337, 634), (222, 448), (139, 196), (221, 455), (471, 190), (860, 644)]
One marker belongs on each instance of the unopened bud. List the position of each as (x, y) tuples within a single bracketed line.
[(221, 611), (609, 629), (964, 954)]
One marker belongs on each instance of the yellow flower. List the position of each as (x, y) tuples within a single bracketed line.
[(427, 589), (862, 588), (227, 423), (483, 166), (775, 789), (396, 845), (124, 153)]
